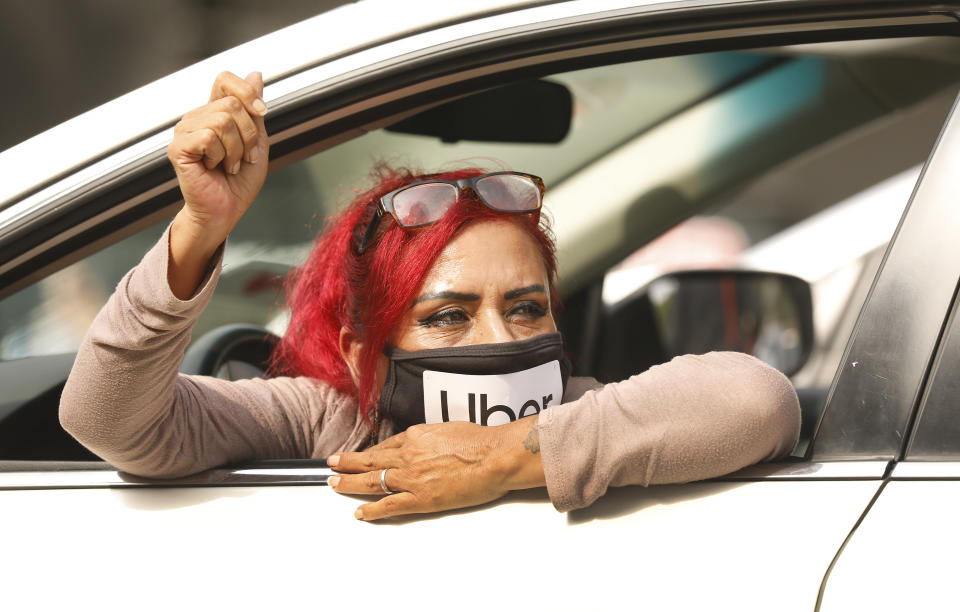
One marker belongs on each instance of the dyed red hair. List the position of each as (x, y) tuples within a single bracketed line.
[(369, 293)]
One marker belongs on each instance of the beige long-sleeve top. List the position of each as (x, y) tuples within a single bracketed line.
[(695, 417)]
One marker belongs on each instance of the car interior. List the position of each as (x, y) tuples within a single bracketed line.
[(676, 188)]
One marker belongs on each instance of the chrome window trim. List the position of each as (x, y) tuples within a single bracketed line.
[(811, 470), (90, 475), (303, 88), (926, 470), (95, 220), (100, 476), (130, 157)]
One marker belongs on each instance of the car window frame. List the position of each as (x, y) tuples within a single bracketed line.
[(142, 190)]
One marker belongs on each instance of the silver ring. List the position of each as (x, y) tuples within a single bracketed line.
[(383, 481)]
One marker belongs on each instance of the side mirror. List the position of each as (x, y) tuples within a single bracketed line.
[(526, 112), (765, 314)]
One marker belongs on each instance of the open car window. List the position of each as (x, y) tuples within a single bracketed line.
[(750, 145)]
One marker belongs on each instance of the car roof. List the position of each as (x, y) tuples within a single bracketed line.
[(31, 164)]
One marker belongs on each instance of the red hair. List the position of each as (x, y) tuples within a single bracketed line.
[(369, 293)]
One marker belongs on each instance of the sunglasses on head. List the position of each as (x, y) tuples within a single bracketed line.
[(425, 202)]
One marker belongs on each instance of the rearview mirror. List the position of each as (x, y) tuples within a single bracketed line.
[(765, 314), (525, 112)]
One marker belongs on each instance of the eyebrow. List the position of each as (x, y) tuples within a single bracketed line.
[(473, 297), (448, 295), (515, 293)]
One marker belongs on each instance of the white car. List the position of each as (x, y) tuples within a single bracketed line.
[(762, 113)]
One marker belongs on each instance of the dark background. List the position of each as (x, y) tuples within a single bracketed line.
[(61, 58)]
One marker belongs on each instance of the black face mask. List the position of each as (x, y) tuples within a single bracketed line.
[(488, 384)]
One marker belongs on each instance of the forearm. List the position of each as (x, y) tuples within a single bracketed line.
[(520, 457), (192, 247), (122, 386), (696, 417)]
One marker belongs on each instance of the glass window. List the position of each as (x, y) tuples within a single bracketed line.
[(52, 316)]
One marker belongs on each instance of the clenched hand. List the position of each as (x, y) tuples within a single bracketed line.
[(219, 152)]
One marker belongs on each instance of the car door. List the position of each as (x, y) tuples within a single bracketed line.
[(272, 535)]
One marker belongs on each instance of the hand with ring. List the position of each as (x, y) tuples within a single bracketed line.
[(442, 466)]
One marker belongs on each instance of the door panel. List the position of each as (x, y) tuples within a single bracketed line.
[(730, 545), (904, 554)]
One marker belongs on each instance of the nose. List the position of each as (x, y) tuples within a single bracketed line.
[(491, 329)]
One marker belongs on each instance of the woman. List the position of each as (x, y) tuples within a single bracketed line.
[(405, 343)]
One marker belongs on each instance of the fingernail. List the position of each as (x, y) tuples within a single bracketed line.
[(333, 460), (358, 514), (260, 107), (254, 155), (236, 168), (333, 481)]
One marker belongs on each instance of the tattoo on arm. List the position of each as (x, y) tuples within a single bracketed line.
[(532, 441)]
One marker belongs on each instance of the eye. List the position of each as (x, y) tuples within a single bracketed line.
[(450, 316), (527, 310)]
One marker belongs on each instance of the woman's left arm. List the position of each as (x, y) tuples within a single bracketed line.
[(696, 417), (693, 418)]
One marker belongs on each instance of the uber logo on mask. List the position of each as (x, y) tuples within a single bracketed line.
[(490, 399)]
